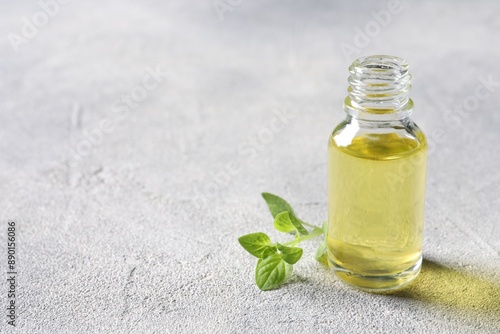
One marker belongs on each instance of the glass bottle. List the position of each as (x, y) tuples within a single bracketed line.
[(376, 179)]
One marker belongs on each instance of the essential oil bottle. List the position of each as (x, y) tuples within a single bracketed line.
[(376, 179)]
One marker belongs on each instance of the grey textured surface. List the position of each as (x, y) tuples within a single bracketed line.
[(138, 236)]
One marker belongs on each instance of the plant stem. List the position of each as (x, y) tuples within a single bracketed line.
[(315, 233)]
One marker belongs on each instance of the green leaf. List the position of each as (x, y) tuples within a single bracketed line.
[(271, 272), (258, 244), (298, 224), (283, 223), (270, 250), (276, 204), (324, 244), (287, 222), (290, 254), (321, 250)]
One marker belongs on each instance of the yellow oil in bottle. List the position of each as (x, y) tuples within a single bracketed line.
[(376, 208)]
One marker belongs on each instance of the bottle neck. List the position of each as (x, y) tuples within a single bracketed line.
[(378, 89)]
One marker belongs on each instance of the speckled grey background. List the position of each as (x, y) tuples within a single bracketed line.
[(137, 231)]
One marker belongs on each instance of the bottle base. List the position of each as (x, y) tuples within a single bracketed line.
[(377, 283)]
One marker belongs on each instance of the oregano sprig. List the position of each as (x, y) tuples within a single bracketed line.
[(276, 260)]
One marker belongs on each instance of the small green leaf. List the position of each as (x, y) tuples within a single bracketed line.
[(290, 254), (283, 223), (287, 222), (271, 272), (321, 250), (258, 244), (268, 251), (298, 224), (323, 245), (276, 204)]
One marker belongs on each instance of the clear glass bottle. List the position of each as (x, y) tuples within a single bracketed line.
[(376, 179)]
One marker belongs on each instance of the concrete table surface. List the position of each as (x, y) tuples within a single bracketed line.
[(137, 137)]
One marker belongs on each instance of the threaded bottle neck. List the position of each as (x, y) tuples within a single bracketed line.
[(378, 88)]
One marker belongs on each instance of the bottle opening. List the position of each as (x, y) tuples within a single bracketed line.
[(380, 64)]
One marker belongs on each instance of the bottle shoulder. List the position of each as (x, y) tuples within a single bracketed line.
[(378, 140)]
